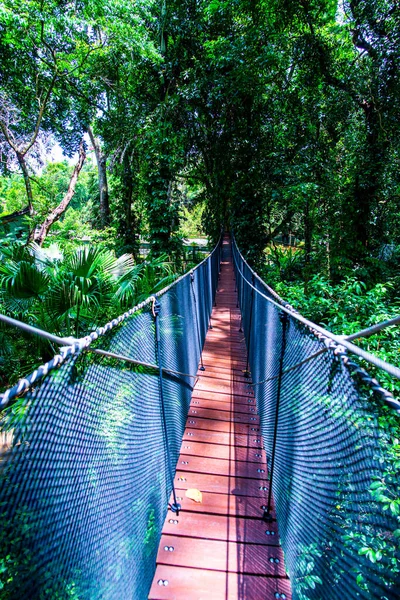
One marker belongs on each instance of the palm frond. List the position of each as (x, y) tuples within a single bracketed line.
[(25, 281), (45, 257)]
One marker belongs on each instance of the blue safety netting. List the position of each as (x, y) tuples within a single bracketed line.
[(86, 479), (331, 437)]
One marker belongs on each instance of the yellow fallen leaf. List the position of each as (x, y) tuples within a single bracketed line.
[(194, 494)]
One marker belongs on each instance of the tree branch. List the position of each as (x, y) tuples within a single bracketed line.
[(6, 134), (39, 234), (40, 115), (15, 215)]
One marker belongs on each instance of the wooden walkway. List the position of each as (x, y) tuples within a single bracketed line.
[(220, 549)]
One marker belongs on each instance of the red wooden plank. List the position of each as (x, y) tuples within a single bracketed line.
[(221, 527), (226, 323), (238, 356), (221, 336), (221, 437), (226, 556), (226, 452), (209, 359), (222, 415), (220, 466), (227, 347), (230, 406), (224, 504), (202, 584), (218, 396), (224, 387), (218, 484), (218, 425), (222, 396), (222, 374)]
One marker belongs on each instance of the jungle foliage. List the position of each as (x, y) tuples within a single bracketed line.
[(272, 116), (282, 115), (278, 118)]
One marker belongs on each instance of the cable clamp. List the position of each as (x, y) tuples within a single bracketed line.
[(155, 307), (283, 317), (267, 517), (175, 508), (339, 351)]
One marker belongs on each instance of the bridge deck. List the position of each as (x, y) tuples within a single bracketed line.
[(220, 549)]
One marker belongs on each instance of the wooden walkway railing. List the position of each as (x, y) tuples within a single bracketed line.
[(220, 549)]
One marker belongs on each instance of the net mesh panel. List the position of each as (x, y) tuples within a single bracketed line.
[(85, 485), (336, 474)]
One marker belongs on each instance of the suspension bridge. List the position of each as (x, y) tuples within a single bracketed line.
[(209, 443)]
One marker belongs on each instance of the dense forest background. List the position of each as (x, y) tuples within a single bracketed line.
[(172, 118)]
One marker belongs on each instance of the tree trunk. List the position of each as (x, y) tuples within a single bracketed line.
[(129, 225), (27, 181), (368, 183), (39, 233), (127, 183), (308, 235), (101, 160)]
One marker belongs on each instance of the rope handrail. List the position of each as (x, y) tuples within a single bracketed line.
[(363, 333), (71, 346), (338, 339), (330, 434), (88, 454)]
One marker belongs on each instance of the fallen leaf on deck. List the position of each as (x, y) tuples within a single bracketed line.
[(194, 494)]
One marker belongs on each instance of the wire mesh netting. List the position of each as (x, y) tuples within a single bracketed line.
[(336, 472), (85, 481)]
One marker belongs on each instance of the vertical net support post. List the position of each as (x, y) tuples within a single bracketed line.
[(196, 317), (175, 507), (207, 290), (238, 281), (249, 336), (267, 516)]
